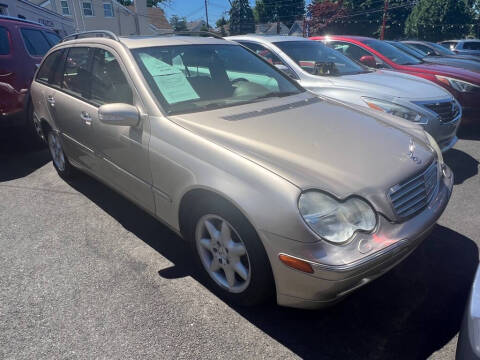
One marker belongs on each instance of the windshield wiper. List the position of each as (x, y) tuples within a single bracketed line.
[(275, 94)]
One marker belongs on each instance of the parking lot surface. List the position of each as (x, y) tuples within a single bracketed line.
[(86, 274)]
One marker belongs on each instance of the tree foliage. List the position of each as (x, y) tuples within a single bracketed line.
[(241, 18), (286, 11), (436, 20), (178, 23)]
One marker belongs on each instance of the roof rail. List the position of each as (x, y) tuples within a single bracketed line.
[(92, 33), (191, 33), (22, 20)]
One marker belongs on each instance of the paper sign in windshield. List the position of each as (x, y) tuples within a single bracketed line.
[(170, 80)]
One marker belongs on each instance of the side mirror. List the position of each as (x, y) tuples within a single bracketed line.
[(286, 70), (368, 60), (119, 114)]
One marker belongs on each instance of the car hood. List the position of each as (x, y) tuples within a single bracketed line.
[(446, 70), (461, 63), (319, 143), (392, 84)]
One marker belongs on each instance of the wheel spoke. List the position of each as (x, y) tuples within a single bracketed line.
[(214, 265), (211, 230), (236, 249), (230, 275), (225, 234), (241, 270), (206, 243)]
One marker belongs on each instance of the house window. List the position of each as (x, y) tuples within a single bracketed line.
[(87, 8), (3, 9), (107, 9), (65, 8)]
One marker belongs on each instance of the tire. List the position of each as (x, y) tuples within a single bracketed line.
[(35, 139), (59, 159), (251, 287)]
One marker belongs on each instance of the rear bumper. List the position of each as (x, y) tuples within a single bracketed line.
[(331, 282)]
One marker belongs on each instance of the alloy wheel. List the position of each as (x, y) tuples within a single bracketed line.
[(223, 253), (56, 150)]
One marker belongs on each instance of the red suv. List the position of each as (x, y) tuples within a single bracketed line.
[(463, 84), (22, 46)]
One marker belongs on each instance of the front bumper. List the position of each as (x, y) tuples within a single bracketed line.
[(380, 251)]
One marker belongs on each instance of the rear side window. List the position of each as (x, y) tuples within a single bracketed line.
[(4, 43), (52, 38), (35, 41), (76, 74), (471, 45), (50, 71), (108, 84)]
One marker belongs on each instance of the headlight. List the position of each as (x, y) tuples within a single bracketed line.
[(458, 85), (395, 109), (333, 220), (435, 147)]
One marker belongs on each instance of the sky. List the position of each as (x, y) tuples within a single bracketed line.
[(195, 9)]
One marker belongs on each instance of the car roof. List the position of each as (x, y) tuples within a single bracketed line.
[(343, 37), (267, 38), (159, 40), (23, 21)]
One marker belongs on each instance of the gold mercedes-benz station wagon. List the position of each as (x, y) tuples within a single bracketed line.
[(280, 192)]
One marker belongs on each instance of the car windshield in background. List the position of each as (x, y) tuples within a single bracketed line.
[(391, 52), (318, 59), (408, 49), (195, 78), (442, 50)]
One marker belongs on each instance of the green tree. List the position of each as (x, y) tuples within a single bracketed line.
[(125, 2), (221, 25), (286, 11), (436, 20), (178, 23), (241, 18), (156, 3)]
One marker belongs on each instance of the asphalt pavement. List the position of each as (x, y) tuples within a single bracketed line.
[(86, 274)]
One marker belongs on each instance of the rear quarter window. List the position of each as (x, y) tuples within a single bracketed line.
[(51, 70), (471, 45), (4, 42), (35, 42)]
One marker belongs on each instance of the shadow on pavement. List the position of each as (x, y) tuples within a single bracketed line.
[(463, 165), (409, 313), (18, 158), (469, 132)]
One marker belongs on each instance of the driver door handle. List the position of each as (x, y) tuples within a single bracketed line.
[(86, 118), (51, 100)]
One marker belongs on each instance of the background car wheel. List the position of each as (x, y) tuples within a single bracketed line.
[(60, 161), (35, 136), (230, 253)]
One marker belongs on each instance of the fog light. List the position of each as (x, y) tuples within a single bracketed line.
[(295, 263)]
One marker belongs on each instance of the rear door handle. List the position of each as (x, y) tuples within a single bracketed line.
[(51, 100), (86, 118)]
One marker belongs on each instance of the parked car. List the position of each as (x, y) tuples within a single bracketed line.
[(327, 72), (468, 346), (467, 47), (461, 63), (463, 84), (276, 189), (434, 49), (22, 45)]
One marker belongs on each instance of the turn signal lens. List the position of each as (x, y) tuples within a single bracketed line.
[(296, 263)]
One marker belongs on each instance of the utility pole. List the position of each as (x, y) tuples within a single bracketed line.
[(206, 13), (385, 14)]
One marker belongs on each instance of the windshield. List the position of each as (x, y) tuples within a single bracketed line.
[(191, 78), (408, 49), (391, 52), (318, 59), (442, 50)]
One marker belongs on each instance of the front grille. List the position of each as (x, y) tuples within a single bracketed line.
[(446, 110), (413, 195)]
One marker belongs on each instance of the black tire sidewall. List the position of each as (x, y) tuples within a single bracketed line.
[(261, 287)]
